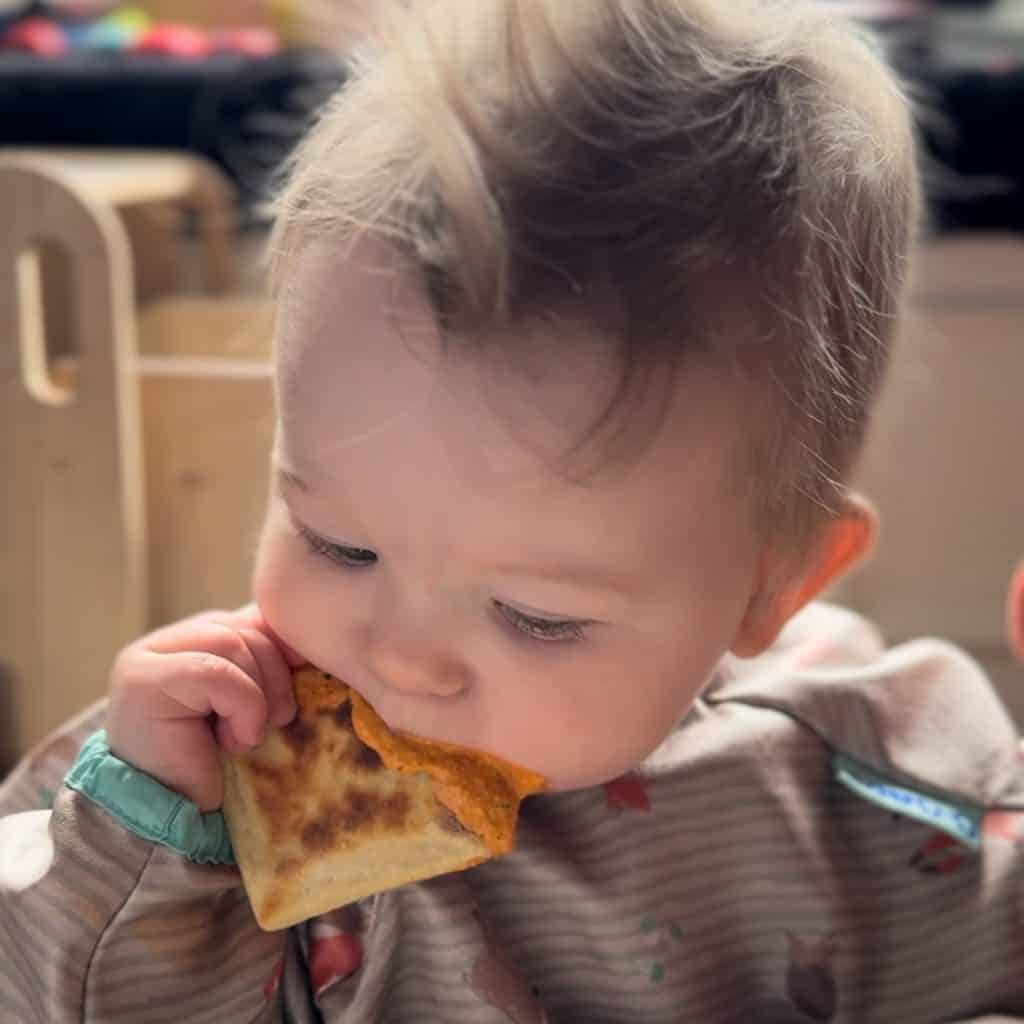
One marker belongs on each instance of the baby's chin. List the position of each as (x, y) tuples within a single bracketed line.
[(562, 774)]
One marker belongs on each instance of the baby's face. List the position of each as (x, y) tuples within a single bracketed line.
[(422, 545)]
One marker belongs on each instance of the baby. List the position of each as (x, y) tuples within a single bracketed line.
[(583, 312)]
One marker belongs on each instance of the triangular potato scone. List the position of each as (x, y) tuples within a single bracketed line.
[(335, 807)]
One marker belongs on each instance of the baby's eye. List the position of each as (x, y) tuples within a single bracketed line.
[(543, 629), (340, 554)]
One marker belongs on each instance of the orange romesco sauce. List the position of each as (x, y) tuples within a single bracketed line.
[(481, 790), (316, 690)]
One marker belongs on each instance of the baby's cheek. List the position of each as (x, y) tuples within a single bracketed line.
[(274, 583), (286, 588), (592, 745)]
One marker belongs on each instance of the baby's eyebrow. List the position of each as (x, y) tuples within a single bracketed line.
[(574, 574)]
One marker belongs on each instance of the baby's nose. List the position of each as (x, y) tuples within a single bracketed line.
[(415, 667)]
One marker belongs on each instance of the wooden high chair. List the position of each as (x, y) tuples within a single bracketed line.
[(134, 464), (72, 523)]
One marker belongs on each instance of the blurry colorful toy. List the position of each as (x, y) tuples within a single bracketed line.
[(36, 35), (128, 19), (53, 28), (252, 41), (119, 30), (173, 41)]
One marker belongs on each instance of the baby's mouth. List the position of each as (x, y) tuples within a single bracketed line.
[(384, 709)]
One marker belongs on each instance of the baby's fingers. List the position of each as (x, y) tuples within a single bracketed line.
[(195, 684), (275, 676), (250, 617), (268, 662)]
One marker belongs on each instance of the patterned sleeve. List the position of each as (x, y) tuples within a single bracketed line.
[(102, 926)]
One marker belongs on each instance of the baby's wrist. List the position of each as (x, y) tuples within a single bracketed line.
[(146, 807)]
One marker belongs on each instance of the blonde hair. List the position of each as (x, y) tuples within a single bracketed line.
[(734, 182)]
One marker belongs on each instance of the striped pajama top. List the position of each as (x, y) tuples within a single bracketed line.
[(834, 833)]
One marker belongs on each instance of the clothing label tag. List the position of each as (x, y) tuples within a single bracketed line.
[(960, 820)]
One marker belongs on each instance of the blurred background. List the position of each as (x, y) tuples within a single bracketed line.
[(138, 144)]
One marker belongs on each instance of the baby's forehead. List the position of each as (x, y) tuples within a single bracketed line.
[(332, 286), (359, 352), (360, 317)]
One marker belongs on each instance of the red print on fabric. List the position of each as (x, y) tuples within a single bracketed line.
[(939, 855), (274, 981), (627, 793), (334, 954)]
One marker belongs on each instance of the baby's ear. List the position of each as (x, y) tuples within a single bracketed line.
[(842, 542), (1015, 613)]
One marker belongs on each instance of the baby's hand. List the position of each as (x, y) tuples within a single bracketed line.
[(215, 679)]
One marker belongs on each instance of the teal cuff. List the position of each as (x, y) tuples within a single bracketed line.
[(147, 807)]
